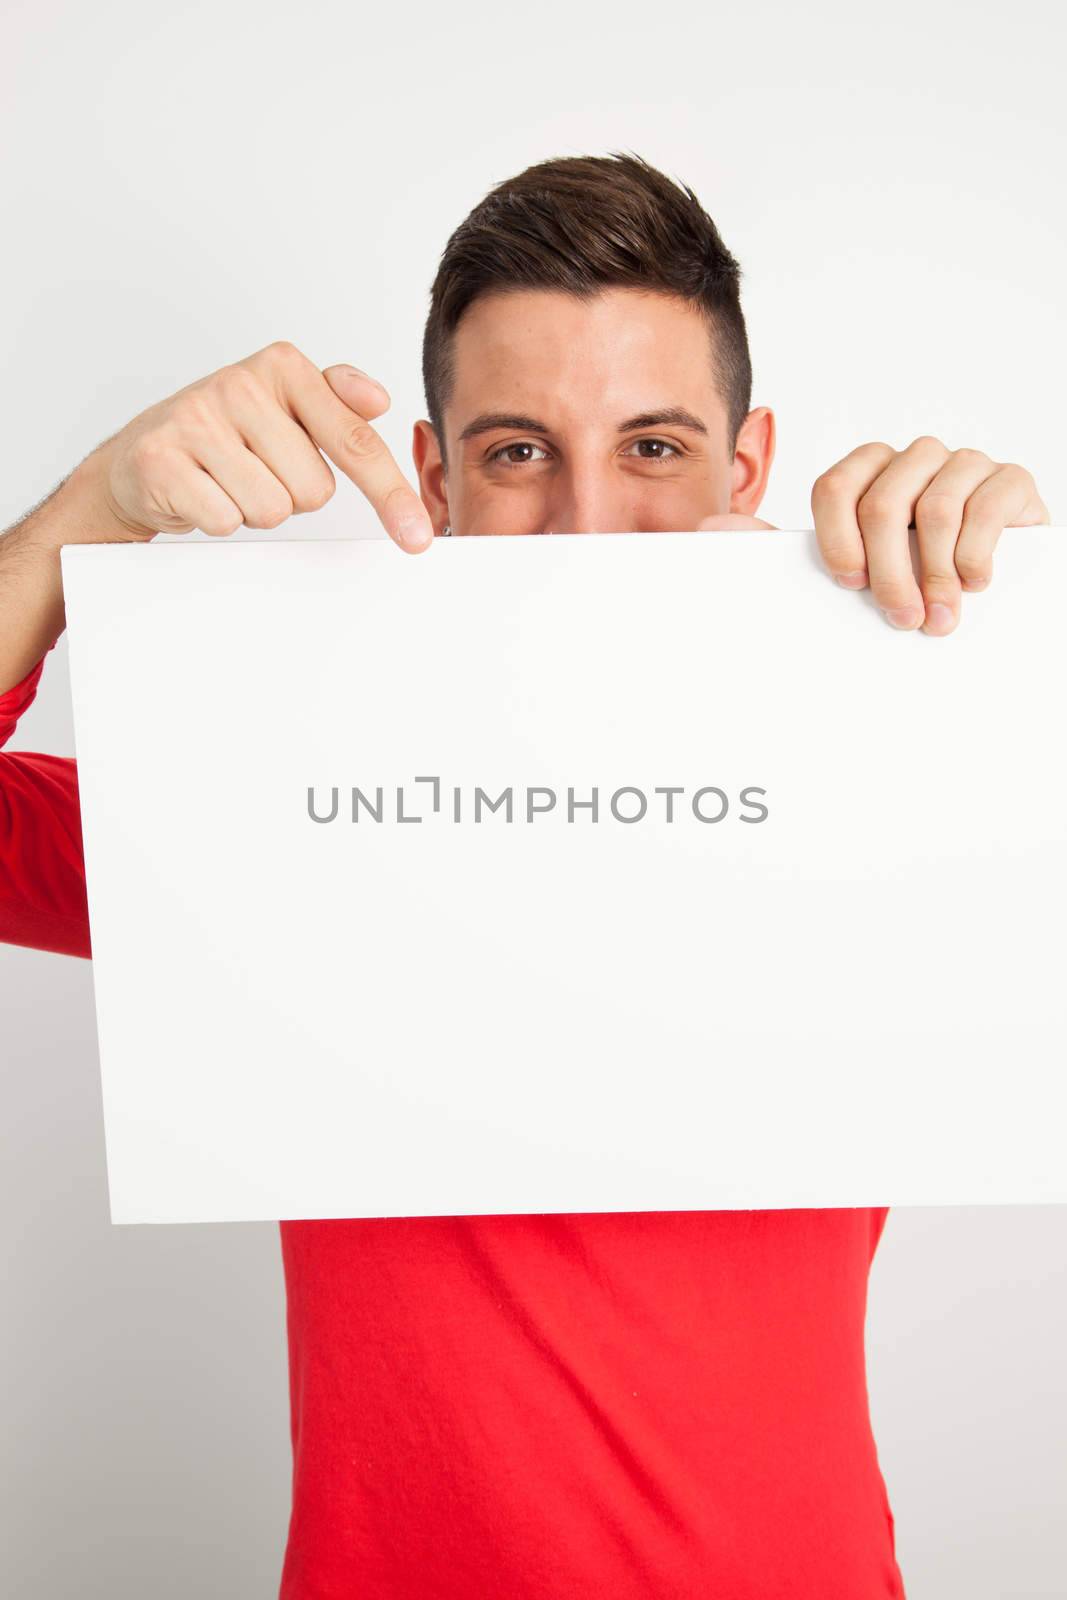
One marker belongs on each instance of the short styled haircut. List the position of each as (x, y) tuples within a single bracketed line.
[(582, 224)]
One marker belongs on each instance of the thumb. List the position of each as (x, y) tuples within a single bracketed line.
[(358, 390)]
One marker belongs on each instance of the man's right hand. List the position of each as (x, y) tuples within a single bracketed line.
[(243, 447)]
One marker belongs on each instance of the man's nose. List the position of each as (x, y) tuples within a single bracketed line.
[(585, 501)]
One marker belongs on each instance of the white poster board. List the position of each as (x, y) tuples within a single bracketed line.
[(854, 999)]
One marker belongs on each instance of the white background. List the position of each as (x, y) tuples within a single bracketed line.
[(181, 186)]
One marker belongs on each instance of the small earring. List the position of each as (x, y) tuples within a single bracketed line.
[(446, 530)]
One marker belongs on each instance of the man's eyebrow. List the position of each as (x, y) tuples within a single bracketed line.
[(502, 419), (670, 417)]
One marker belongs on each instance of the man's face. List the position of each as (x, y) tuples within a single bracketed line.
[(585, 416)]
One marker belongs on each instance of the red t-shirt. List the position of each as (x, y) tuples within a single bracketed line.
[(555, 1407)]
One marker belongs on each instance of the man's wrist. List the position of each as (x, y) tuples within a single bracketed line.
[(77, 512)]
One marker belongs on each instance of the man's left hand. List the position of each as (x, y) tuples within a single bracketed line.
[(958, 502)]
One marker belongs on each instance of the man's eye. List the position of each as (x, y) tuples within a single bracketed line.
[(659, 450), (505, 458)]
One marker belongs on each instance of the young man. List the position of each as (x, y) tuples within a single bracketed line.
[(627, 1405)]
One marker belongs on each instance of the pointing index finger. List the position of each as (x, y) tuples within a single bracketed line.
[(345, 435)]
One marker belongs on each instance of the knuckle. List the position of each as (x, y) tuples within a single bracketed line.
[(273, 513), (236, 384), (404, 500), (359, 442), (971, 458), (194, 412), (840, 557), (284, 353), (827, 486), (1019, 475), (894, 595), (875, 450), (971, 564), (875, 509), (316, 495), (927, 444), (222, 526), (940, 579), (937, 512), (148, 452)]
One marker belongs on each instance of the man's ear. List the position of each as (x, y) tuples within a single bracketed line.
[(753, 455), (433, 486)]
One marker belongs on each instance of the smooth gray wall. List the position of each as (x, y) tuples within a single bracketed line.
[(182, 186)]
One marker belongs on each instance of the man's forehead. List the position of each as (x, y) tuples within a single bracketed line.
[(528, 349)]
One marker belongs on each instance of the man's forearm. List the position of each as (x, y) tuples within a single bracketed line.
[(31, 588)]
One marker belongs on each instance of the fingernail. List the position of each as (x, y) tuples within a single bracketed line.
[(414, 533), (904, 616), (939, 618), (852, 580)]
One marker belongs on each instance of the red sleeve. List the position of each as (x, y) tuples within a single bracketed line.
[(42, 873)]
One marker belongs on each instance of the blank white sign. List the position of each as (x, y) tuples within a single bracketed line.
[(807, 951)]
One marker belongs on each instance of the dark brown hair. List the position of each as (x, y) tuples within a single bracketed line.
[(582, 224)]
